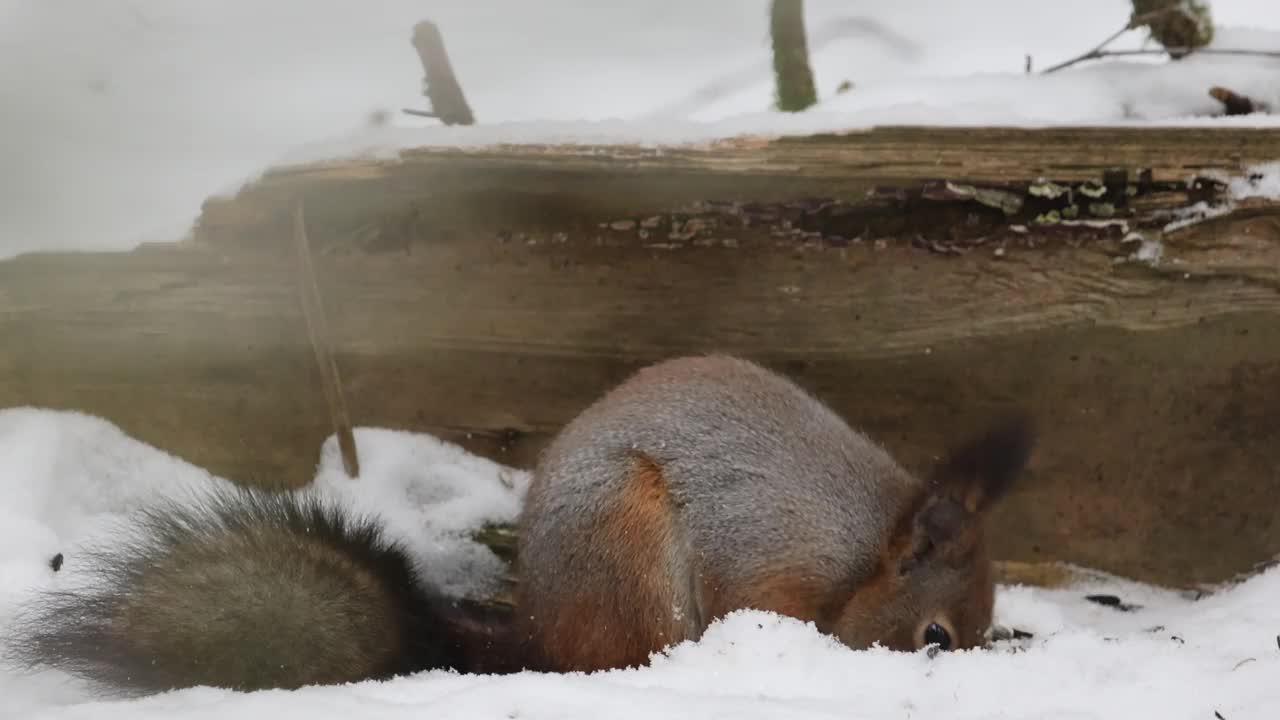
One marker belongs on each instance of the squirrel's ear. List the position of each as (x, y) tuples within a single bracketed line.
[(964, 486), (978, 473)]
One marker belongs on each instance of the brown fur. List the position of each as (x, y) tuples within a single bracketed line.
[(619, 625), (743, 492), (786, 593), (861, 607), (484, 636)]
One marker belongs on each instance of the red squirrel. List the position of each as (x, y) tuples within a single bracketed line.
[(708, 484), (699, 486)]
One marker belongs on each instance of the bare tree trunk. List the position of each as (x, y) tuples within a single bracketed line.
[(793, 76)]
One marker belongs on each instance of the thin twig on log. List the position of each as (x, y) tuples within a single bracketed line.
[(318, 331), (440, 84)]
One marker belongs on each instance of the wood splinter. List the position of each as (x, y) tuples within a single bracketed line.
[(318, 332)]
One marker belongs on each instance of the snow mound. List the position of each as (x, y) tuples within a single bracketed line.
[(430, 494)]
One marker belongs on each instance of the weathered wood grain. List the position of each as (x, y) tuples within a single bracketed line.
[(489, 295)]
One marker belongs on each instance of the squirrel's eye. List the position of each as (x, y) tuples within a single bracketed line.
[(935, 634)]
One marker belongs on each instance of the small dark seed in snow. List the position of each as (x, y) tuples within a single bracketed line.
[(56, 563), (1111, 601), (1218, 715)]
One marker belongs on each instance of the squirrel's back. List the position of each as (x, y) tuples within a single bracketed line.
[(706, 484)]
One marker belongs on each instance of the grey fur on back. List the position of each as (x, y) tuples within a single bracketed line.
[(761, 474)]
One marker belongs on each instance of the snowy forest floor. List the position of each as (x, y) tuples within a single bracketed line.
[(123, 116)]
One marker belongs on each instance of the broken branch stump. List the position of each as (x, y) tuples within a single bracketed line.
[(441, 84)]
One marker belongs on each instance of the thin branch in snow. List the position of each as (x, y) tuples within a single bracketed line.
[(419, 113), (1096, 52), (1135, 22), (1097, 55)]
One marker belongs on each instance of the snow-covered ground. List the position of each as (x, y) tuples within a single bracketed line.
[(121, 116), (68, 479)]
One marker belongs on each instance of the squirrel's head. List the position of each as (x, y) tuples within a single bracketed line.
[(935, 586)]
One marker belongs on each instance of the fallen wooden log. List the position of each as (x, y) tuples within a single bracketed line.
[(919, 280)]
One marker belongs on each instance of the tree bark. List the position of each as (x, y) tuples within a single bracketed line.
[(920, 281)]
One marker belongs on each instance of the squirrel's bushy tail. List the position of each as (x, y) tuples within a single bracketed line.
[(249, 590)]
